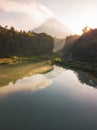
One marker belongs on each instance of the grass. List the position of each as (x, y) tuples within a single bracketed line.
[(20, 60)]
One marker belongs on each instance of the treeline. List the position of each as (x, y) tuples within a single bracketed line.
[(21, 43), (83, 48)]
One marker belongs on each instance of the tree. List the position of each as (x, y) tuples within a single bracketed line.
[(86, 29)]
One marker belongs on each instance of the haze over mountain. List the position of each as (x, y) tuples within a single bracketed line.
[(58, 44), (57, 30), (54, 28)]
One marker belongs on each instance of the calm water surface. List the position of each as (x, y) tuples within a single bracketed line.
[(58, 100)]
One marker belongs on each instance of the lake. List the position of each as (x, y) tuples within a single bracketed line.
[(58, 99)]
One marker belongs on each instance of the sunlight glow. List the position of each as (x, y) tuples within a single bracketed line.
[(81, 22), (33, 13)]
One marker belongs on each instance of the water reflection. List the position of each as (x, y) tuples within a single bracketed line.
[(55, 72), (14, 73), (28, 84), (86, 78), (83, 77), (66, 104)]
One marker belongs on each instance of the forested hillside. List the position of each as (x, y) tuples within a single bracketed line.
[(21, 43), (70, 43), (84, 47)]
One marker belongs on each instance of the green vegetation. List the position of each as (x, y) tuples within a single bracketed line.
[(86, 67), (23, 44), (22, 60), (82, 48), (79, 52), (11, 60)]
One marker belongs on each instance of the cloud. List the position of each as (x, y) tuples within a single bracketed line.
[(23, 14)]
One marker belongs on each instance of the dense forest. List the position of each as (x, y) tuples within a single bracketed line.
[(84, 47), (21, 43), (70, 43)]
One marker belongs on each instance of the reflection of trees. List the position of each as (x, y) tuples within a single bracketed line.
[(13, 73), (85, 79)]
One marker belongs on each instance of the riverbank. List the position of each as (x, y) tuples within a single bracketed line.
[(14, 60), (86, 67), (20, 60)]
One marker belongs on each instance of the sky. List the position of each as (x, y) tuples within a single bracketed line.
[(29, 14)]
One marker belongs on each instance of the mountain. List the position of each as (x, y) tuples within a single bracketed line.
[(83, 48), (54, 28)]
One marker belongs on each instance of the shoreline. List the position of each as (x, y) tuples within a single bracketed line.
[(86, 67)]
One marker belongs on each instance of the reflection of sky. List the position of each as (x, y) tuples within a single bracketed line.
[(70, 85), (55, 72), (66, 104), (65, 81), (32, 83)]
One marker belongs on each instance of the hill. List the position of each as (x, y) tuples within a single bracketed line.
[(70, 43), (84, 47), (21, 43)]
